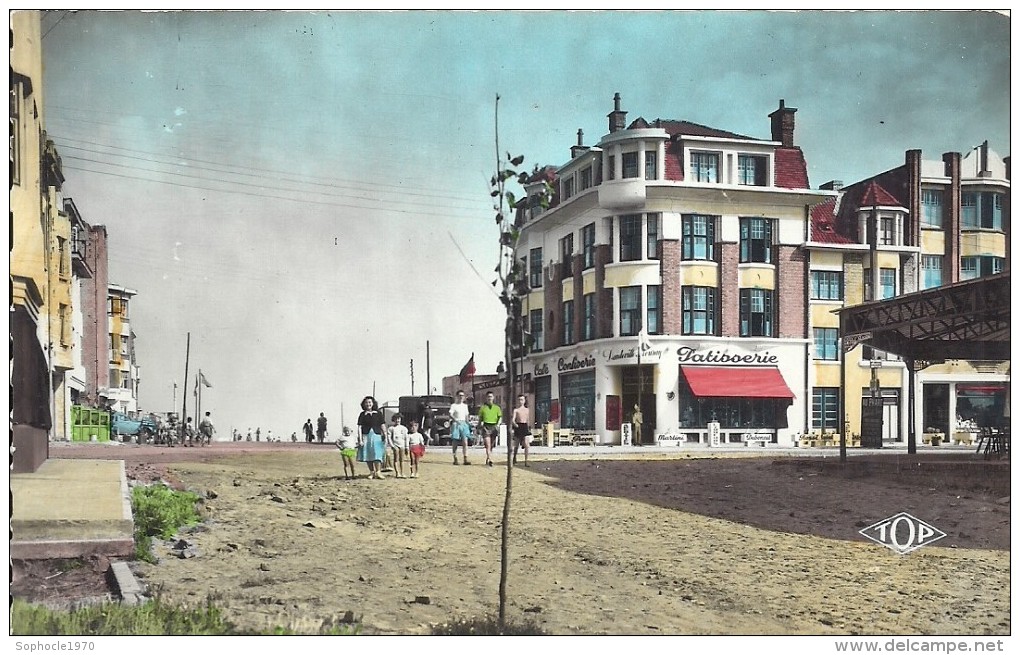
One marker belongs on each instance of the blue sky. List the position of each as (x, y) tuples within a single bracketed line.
[(306, 193)]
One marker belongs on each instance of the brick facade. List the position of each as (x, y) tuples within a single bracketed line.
[(95, 356), (729, 289), (951, 219), (604, 321), (791, 292), (669, 272), (552, 321)]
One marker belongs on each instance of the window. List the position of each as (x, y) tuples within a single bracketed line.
[(535, 268), (586, 178), (630, 311), (825, 408), (568, 187), (117, 307), (755, 313), (698, 237), (588, 244), (931, 268), (653, 316), (982, 210), (630, 237), (751, 170), (826, 285), (630, 164), (931, 207), (698, 309), (756, 240), (577, 400), (972, 267), (611, 167), (115, 348), (65, 325), (15, 141), (826, 343), (652, 239), (568, 322), (588, 325), (538, 343), (566, 254), (63, 259), (115, 377), (543, 399), (651, 165), (705, 166), (887, 231), (887, 281)]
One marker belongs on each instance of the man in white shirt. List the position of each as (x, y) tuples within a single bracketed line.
[(460, 430)]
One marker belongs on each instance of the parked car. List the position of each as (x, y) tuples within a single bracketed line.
[(122, 425), (432, 414)]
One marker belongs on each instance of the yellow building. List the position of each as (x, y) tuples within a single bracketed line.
[(918, 226)]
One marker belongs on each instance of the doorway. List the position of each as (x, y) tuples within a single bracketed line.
[(630, 383)]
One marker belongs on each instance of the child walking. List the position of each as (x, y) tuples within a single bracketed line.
[(396, 438), (347, 452), (415, 447)]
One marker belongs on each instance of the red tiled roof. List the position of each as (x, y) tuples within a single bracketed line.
[(875, 196), (688, 128), (823, 224), (674, 162), (791, 169)]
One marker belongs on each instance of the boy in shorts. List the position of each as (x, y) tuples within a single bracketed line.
[(347, 452), (460, 430)]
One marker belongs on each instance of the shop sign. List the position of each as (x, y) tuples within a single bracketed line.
[(688, 355), (631, 353), (714, 435), (671, 439), (541, 369), (757, 436), (575, 364)]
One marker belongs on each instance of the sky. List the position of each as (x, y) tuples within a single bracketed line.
[(306, 193)]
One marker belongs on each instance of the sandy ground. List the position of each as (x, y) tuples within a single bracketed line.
[(630, 546)]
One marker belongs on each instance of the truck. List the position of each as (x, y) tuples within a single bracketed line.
[(432, 414), (123, 427)]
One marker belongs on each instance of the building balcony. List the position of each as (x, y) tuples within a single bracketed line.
[(626, 194)]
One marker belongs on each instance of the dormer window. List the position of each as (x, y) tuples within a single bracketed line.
[(705, 167), (752, 170)]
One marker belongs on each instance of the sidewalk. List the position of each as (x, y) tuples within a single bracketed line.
[(71, 508)]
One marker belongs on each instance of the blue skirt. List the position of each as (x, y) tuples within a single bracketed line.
[(373, 449)]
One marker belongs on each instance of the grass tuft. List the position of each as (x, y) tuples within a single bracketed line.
[(487, 625), (159, 511)]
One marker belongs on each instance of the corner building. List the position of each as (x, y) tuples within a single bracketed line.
[(668, 272)]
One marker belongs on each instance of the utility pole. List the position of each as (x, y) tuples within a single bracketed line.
[(428, 382), (412, 376), (184, 403)]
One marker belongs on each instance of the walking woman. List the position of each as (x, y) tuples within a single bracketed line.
[(371, 428)]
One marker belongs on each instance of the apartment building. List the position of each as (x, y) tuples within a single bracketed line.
[(921, 225), (122, 392), (669, 274)]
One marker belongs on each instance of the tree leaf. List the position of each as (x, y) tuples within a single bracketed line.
[(516, 161)]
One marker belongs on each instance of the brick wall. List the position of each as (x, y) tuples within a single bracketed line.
[(791, 291), (729, 289), (951, 218), (95, 355), (853, 279), (551, 322), (578, 269), (604, 301), (670, 273)]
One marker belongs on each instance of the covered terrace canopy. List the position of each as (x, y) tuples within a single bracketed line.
[(965, 320)]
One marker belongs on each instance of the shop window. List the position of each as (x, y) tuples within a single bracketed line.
[(698, 237), (577, 401), (731, 413), (543, 399)]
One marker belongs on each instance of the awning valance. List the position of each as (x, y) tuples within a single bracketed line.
[(736, 382)]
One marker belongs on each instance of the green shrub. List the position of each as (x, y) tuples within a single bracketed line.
[(159, 511), (151, 618), (487, 625)]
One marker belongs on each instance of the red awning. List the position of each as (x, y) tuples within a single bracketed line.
[(736, 382)]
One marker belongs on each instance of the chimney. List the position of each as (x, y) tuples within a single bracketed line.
[(832, 185), (1005, 160), (983, 161), (580, 148), (782, 124), (617, 118)]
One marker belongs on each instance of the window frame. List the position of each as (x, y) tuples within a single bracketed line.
[(931, 208), (927, 270), (588, 245), (705, 166), (765, 326), (590, 317), (759, 170), (824, 280), (567, 327), (825, 409), (651, 165), (535, 265), (690, 239), (826, 342), (537, 334), (631, 238), (652, 236), (567, 256), (653, 309), (630, 315), (751, 247), (630, 164), (692, 315)]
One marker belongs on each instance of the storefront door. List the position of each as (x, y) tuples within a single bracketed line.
[(630, 397)]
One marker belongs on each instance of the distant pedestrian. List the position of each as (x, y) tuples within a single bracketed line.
[(396, 441), (371, 428), (636, 419), (269, 436), (460, 430), (248, 438), (309, 431), (489, 417), (293, 437), (189, 433), (346, 444), (522, 427), (415, 447), (320, 427), (206, 430)]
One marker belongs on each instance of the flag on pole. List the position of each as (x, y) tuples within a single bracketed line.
[(468, 371), (201, 376)]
